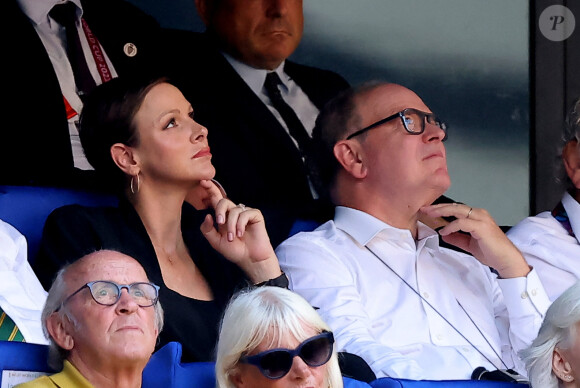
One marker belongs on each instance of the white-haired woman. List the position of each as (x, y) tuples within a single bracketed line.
[(271, 337), (553, 359)]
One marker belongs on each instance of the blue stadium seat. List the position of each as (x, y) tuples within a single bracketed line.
[(387, 382), (26, 208), (18, 359), (303, 225), (165, 369)]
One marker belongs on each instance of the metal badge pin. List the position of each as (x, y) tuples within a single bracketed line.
[(130, 49)]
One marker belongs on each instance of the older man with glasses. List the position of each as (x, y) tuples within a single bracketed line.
[(102, 318), (390, 292)]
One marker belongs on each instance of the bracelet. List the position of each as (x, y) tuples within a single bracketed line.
[(281, 281)]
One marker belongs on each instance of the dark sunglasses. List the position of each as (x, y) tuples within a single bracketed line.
[(276, 363)]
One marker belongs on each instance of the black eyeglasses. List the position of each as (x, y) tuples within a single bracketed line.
[(276, 363), (413, 121), (108, 293)]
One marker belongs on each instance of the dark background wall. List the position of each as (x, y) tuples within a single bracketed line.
[(480, 65)]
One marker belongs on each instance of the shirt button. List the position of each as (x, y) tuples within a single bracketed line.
[(524, 295), (466, 349), (439, 337), (426, 295), (534, 292)]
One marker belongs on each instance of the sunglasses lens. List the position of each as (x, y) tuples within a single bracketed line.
[(316, 352), (275, 365)]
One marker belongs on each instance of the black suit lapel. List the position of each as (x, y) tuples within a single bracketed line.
[(264, 128)]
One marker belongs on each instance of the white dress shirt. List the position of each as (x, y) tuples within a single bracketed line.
[(21, 295), (375, 315), (549, 248), (53, 37)]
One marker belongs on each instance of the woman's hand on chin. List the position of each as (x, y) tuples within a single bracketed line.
[(205, 195), (239, 233)]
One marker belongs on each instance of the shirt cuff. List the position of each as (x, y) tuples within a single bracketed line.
[(521, 294)]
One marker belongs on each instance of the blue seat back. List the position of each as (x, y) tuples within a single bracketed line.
[(165, 369), (387, 382), (26, 208), (303, 225), (22, 357)]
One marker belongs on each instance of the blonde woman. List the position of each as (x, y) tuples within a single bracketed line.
[(271, 337)]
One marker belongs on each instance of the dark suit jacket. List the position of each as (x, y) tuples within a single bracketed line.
[(255, 158), (34, 140)]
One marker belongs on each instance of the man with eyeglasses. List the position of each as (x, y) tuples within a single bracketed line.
[(380, 278), (102, 317)]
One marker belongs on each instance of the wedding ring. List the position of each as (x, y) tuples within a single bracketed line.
[(242, 206), (469, 212)]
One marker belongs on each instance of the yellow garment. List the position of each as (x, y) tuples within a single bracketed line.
[(70, 377)]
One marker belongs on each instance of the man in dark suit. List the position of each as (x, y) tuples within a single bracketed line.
[(35, 143), (257, 160)]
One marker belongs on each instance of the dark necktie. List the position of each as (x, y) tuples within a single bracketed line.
[(8, 329), (297, 130), (65, 15)]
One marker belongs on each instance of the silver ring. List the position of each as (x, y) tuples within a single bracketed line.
[(469, 212), (242, 206)]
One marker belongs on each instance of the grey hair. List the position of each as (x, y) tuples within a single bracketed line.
[(571, 132), (54, 305), (266, 312), (558, 329)]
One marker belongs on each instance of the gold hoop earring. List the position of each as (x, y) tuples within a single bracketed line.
[(133, 191)]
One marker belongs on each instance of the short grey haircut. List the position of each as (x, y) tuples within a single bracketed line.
[(558, 329), (339, 118), (54, 305), (571, 132), (254, 315)]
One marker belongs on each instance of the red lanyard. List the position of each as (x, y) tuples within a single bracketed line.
[(99, 58), (98, 55)]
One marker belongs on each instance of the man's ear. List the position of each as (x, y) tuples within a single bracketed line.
[(571, 159), (203, 10), (59, 331), (349, 155), (561, 367), (125, 158)]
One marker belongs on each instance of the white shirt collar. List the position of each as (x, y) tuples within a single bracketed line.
[(572, 208), (255, 77), (363, 227), (37, 11)]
